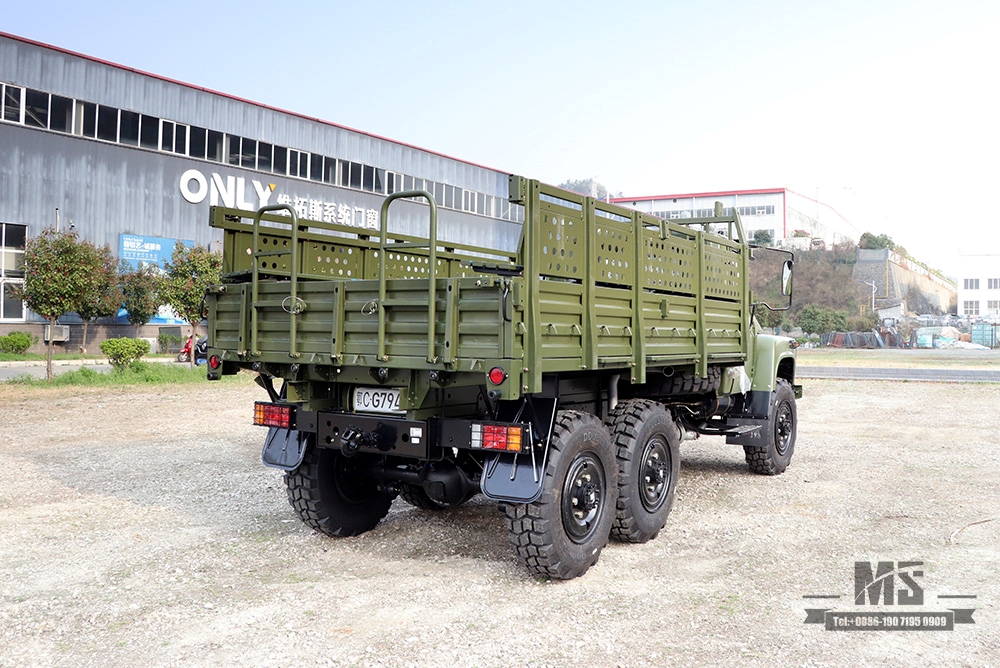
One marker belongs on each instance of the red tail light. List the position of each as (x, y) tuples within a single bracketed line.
[(214, 362), (497, 437), (497, 375), (272, 415)]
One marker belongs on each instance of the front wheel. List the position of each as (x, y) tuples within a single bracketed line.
[(333, 496), (561, 535), (774, 457)]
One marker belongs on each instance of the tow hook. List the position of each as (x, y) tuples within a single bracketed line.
[(352, 440)]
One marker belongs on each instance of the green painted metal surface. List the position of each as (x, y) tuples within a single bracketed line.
[(592, 286)]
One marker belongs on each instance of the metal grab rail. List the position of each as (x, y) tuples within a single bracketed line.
[(293, 310), (432, 273)]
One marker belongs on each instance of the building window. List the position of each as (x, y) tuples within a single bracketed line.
[(12, 238), (970, 308), (12, 104), (128, 128), (316, 167), (993, 283), (197, 142), (993, 307), (60, 114), (298, 163), (972, 284), (215, 147), (107, 123), (233, 150), (248, 153), (264, 151), (173, 137), (85, 123), (280, 164), (149, 132), (36, 108)]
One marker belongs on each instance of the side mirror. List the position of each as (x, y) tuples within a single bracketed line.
[(786, 278)]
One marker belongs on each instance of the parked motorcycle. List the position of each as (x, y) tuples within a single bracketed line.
[(200, 351)]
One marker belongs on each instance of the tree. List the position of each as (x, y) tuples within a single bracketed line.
[(818, 320), (190, 271), (588, 187), (56, 269), (763, 237), (140, 292), (870, 241), (101, 295)]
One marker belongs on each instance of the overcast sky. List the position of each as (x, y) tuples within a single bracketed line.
[(886, 110)]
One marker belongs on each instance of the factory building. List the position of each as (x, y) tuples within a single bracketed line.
[(134, 160)]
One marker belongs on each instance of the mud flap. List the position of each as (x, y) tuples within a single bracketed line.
[(284, 448), (512, 478)]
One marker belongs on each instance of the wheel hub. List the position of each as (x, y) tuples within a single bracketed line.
[(587, 497), (654, 475), (583, 498)]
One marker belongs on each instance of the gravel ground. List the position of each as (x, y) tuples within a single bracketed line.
[(138, 528)]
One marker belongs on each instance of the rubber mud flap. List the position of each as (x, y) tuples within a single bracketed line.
[(284, 448), (512, 478)]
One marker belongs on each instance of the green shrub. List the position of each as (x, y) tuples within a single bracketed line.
[(168, 342), (17, 343), (124, 352)]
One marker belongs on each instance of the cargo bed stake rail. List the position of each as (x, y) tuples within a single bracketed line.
[(431, 246), (296, 305)]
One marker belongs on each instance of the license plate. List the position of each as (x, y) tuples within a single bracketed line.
[(376, 400)]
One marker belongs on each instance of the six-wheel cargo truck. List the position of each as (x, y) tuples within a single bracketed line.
[(557, 378)]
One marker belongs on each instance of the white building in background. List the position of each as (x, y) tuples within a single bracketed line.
[(979, 286), (792, 219)]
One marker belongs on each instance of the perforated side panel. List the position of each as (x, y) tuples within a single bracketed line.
[(273, 262), (332, 260), (615, 252), (409, 265), (561, 243), (670, 264), (722, 274)]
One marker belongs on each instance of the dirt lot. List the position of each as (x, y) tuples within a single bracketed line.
[(139, 528)]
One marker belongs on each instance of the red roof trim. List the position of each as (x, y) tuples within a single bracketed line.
[(239, 99), (646, 198)]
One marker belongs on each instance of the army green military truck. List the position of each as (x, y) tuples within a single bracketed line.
[(557, 378)]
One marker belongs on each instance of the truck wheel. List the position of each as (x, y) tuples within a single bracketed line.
[(562, 533), (332, 497), (647, 442), (773, 458)]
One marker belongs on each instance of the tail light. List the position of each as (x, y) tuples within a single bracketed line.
[(214, 362), (497, 436), (272, 415), (497, 375)]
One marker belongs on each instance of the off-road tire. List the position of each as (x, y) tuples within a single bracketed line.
[(331, 497), (647, 444), (774, 458), (689, 383), (553, 537)]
